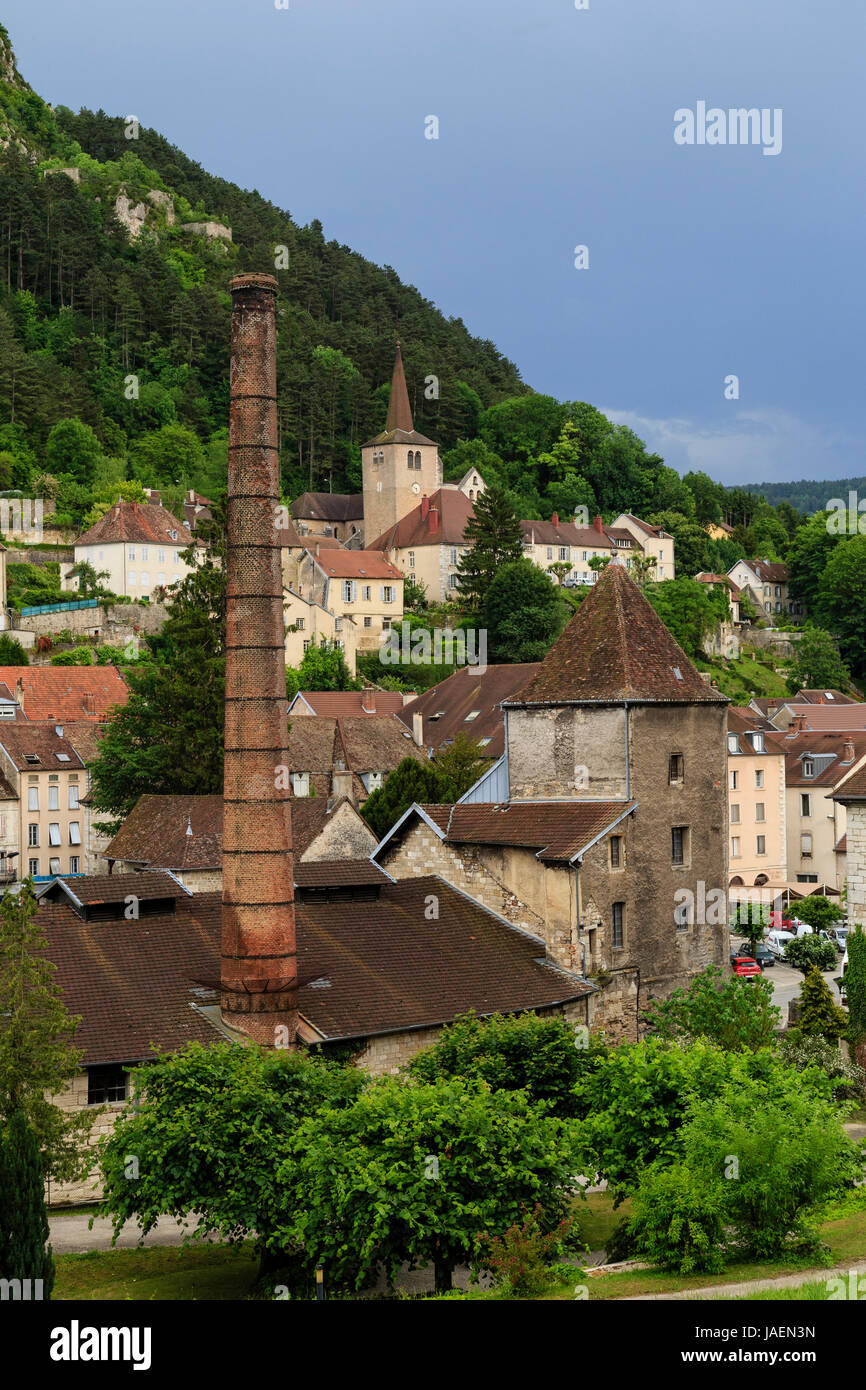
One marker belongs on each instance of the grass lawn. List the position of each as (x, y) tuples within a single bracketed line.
[(744, 677), (167, 1273), (816, 1291)]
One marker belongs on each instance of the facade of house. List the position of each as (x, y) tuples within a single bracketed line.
[(472, 484), (757, 802), (49, 779), (563, 543), (851, 793), (138, 545), (651, 541), (427, 543), (310, 624), (360, 586), (815, 766), (766, 582)]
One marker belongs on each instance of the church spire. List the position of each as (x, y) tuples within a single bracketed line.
[(399, 411)]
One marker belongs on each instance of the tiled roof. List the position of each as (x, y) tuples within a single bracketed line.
[(363, 743), (771, 572), (328, 506), (339, 703), (145, 522), (154, 832), (61, 694), (84, 738), (830, 717), (853, 787), (338, 873), (356, 564), (822, 697), (386, 968), (93, 890), (448, 506), (25, 743), (556, 830), (644, 526), (445, 707), (616, 648), (842, 846), (820, 745), (399, 410), (562, 533)]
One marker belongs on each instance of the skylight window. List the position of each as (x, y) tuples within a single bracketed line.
[(678, 673), (63, 757), (473, 714), (32, 758)]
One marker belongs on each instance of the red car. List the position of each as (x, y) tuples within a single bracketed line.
[(746, 967)]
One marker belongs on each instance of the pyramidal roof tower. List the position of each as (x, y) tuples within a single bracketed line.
[(616, 648), (399, 410)]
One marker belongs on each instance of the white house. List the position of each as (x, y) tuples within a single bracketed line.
[(138, 544)]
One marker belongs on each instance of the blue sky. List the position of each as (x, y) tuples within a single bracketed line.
[(556, 129)]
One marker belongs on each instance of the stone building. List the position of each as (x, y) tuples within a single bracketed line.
[(611, 833), (399, 466), (851, 793)]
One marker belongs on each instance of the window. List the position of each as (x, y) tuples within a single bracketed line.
[(54, 866), (735, 846), (106, 1085), (760, 844), (33, 867), (759, 777), (33, 835), (366, 591), (54, 833), (368, 622), (733, 745), (132, 578), (160, 557), (160, 578), (679, 844), (453, 555), (61, 758), (74, 863), (616, 851), (387, 593), (805, 803), (550, 552), (53, 797), (806, 846), (759, 811), (734, 780), (73, 797), (675, 767), (453, 581), (130, 554), (808, 767), (145, 579), (347, 591), (617, 934), (807, 878), (563, 552), (583, 555), (411, 559), (758, 743), (307, 645), (386, 624), (144, 552), (75, 832), (301, 783), (410, 459), (735, 814), (33, 759), (32, 798)]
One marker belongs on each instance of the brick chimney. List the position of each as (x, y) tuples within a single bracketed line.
[(425, 506), (259, 963), (434, 520), (598, 525), (555, 518), (368, 700), (848, 752), (418, 728)]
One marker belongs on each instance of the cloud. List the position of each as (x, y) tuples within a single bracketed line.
[(753, 446)]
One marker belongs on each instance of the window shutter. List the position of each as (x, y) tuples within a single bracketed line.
[(354, 590)]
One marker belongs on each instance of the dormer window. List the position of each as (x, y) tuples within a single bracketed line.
[(758, 743), (733, 744), (808, 767)]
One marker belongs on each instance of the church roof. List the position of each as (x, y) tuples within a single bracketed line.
[(616, 648), (399, 428)]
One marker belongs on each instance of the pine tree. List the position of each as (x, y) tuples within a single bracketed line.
[(412, 780), (819, 1014), (494, 537), (24, 1249), (37, 1058)]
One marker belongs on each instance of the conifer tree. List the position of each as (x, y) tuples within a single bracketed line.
[(819, 1013), (855, 990), (494, 536), (24, 1249)]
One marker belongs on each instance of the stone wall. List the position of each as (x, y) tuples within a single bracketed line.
[(114, 623), (567, 752), (856, 862), (88, 1189), (345, 835)]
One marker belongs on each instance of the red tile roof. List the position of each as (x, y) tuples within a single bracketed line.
[(854, 786), (770, 571), (363, 743), (26, 742), (830, 717), (339, 703), (448, 507), (61, 694), (144, 522), (445, 707), (822, 697), (356, 564), (557, 830), (616, 648), (820, 745), (328, 506), (562, 533)]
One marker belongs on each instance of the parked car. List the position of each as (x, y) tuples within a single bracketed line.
[(777, 941), (762, 954), (839, 937), (746, 967)]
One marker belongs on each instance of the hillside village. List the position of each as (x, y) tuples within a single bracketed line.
[(502, 803)]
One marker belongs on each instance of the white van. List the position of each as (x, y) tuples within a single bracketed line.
[(800, 928), (776, 941)]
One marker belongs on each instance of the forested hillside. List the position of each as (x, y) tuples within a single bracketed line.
[(809, 495)]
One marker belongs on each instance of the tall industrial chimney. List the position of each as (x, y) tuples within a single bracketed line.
[(259, 964)]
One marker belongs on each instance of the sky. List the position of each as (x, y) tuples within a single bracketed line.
[(720, 307)]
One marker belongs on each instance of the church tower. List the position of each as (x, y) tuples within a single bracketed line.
[(400, 466)]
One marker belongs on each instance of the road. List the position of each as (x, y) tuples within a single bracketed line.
[(786, 982)]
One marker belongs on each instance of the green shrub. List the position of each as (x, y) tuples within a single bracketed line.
[(521, 1259), (678, 1220)]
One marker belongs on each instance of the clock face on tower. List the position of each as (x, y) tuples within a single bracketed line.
[(416, 487)]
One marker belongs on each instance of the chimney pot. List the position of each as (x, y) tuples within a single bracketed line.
[(555, 518), (418, 729), (368, 700), (425, 506), (598, 524), (848, 752), (434, 520)]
